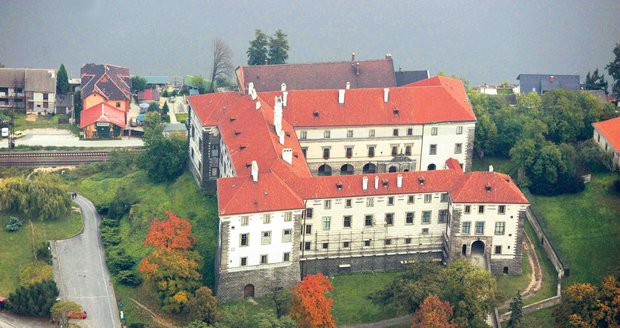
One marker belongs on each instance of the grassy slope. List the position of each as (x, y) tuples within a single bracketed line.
[(586, 229), (507, 286), (351, 303), (17, 249)]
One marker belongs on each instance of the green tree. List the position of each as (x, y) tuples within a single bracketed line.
[(592, 157), (197, 324), (516, 311), (62, 81), (258, 51), (77, 105), (153, 107), (60, 310), (164, 159), (42, 197), (238, 316), (613, 69), (138, 83), (34, 300), (1, 65), (595, 81), (203, 306), (165, 110), (222, 62), (153, 127), (278, 48)]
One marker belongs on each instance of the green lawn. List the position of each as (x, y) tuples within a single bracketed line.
[(539, 319), (507, 285), (17, 247), (585, 228), (351, 303), (502, 165), (43, 121), (181, 118)]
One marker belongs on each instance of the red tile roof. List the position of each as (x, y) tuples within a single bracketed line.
[(610, 129), (486, 187), (440, 99), (149, 95), (372, 74), (102, 112)]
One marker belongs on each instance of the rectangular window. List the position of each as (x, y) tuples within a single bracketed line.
[(371, 151), (498, 249), (307, 246), (500, 227), (481, 209), (459, 129), (349, 152), (434, 131), (304, 150), (408, 150), (118, 104), (325, 245), (458, 148), (286, 257), (346, 244), (410, 131), (408, 240), (349, 133), (370, 202), (433, 150), (303, 135), (479, 228), (347, 221), (328, 204), (394, 150), (368, 221), (367, 243), (245, 220), (309, 213), (467, 209), (265, 238), (266, 218), (501, 209), (387, 242), (264, 259), (326, 134), (244, 261), (466, 228), (445, 197), (389, 218), (371, 133), (244, 239), (347, 203), (409, 217), (288, 216), (395, 132), (308, 229), (442, 216), (286, 235), (428, 198), (425, 231), (390, 200), (325, 153), (410, 199), (426, 217), (327, 223)]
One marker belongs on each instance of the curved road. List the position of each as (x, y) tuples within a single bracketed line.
[(81, 272)]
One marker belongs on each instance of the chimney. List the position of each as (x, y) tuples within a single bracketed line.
[(365, 183), (266, 61), (348, 85), (251, 90), (386, 93), (357, 68), (490, 168), (352, 56), (399, 181), (284, 98), (341, 96), (277, 114), (376, 182), (283, 87), (280, 137), (388, 56), (257, 105), (254, 171), (287, 155)]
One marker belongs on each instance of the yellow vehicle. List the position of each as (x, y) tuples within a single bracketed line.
[(18, 134)]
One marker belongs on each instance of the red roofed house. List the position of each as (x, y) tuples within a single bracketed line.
[(148, 95), (284, 213), (607, 136), (102, 121)]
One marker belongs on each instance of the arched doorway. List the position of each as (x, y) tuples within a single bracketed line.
[(464, 250), (248, 291), (431, 167), (346, 169), (325, 170), (392, 169), (369, 168), (477, 248)]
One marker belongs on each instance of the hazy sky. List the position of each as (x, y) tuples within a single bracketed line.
[(483, 41)]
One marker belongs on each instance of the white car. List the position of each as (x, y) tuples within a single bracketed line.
[(5, 132)]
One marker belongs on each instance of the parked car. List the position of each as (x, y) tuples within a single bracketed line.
[(18, 134), (5, 132), (77, 315), (133, 122)]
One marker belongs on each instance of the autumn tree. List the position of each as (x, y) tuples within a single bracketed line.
[(60, 311), (433, 313), (585, 305), (222, 62), (172, 233), (309, 305), (203, 306)]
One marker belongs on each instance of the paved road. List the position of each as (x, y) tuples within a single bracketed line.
[(81, 273)]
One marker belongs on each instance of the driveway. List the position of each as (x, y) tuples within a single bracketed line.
[(64, 138), (81, 273)]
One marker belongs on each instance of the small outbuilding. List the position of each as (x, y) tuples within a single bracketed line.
[(102, 121)]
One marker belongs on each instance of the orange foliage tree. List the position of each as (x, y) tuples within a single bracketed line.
[(585, 305), (172, 267), (309, 306), (433, 313)]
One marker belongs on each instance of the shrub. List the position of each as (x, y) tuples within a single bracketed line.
[(118, 260), (617, 185), (14, 224), (129, 278), (34, 300), (43, 253), (110, 236), (111, 223), (35, 272)]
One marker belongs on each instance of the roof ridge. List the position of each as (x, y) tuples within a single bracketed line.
[(317, 63)]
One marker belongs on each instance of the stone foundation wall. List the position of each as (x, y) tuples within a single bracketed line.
[(231, 284), (335, 266)]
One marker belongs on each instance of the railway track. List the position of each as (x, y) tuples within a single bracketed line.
[(51, 158)]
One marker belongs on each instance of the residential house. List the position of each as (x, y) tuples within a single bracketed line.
[(148, 96), (607, 136), (105, 83), (64, 104), (153, 82), (280, 217), (541, 83), (102, 121), (28, 89)]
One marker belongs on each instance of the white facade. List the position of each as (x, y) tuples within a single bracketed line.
[(441, 141), (608, 148)]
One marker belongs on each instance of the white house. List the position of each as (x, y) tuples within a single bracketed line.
[(607, 136)]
